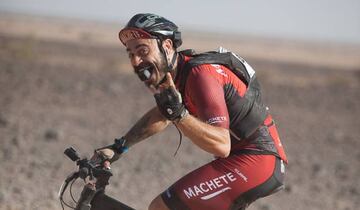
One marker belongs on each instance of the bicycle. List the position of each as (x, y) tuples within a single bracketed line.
[(96, 178)]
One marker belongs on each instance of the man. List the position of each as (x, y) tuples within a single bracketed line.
[(216, 109)]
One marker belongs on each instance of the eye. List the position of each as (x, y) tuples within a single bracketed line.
[(130, 55), (143, 52)]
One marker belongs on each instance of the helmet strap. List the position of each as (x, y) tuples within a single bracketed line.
[(170, 66), (172, 63)]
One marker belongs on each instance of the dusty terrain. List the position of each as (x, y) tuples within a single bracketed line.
[(65, 84)]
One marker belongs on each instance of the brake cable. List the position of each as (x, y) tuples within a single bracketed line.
[(71, 193), (63, 188)]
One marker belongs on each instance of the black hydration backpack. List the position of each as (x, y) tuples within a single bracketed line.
[(255, 112)]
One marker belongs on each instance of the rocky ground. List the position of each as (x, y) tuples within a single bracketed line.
[(60, 93)]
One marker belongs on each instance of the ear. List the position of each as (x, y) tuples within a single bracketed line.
[(167, 45)]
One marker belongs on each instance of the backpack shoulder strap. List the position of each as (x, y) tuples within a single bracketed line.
[(235, 63)]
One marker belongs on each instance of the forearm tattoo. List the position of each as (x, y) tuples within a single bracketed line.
[(139, 131)]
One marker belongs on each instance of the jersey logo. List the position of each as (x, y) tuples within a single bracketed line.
[(207, 197), (216, 120), (211, 188), (248, 68), (219, 70)]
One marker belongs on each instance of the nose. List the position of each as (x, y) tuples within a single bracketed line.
[(136, 60)]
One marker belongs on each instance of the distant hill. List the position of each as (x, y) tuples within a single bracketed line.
[(274, 50)]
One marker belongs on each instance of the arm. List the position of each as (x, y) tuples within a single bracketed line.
[(208, 96), (215, 140), (151, 123)]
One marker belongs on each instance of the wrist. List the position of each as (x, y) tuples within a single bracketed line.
[(182, 116), (119, 145)]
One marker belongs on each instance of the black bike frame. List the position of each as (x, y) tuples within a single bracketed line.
[(102, 201), (93, 197)]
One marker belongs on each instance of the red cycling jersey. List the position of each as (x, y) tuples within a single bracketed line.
[(213, 94), (255, 166)]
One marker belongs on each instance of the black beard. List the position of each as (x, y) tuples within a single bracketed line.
[(163, 65), (163, 69)]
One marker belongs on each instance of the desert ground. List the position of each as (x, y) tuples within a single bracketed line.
[(68, 83)]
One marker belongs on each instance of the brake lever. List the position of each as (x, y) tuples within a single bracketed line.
[(68, 179)]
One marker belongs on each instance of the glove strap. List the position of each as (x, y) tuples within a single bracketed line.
[(119, 146), (183, 114)]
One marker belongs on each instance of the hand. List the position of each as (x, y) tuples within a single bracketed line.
[(169, 100), (105, 157), (109, 154)]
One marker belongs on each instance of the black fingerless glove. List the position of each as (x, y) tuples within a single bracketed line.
[(170, 104)]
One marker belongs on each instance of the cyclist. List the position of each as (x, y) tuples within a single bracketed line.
[(217, 110)]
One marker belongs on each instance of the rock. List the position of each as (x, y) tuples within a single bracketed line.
[(2, 196), (265, 207), (288, 188), (341, 171), (17, 190), (15, 142), (316, 169), (3, 122), (354, 191), (51, 135)]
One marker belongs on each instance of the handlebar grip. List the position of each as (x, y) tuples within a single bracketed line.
[(72, 154), (83, 173)]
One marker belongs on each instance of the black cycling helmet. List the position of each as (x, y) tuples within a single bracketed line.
[(147, 26)]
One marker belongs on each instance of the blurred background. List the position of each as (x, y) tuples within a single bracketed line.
[(65, 80)]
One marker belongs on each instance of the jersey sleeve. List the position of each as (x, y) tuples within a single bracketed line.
[(206, 93)]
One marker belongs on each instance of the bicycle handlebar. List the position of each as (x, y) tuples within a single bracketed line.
[(96, 178), (91, 169)]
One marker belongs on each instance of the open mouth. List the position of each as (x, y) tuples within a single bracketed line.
[(148, 73), (145, 71)]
